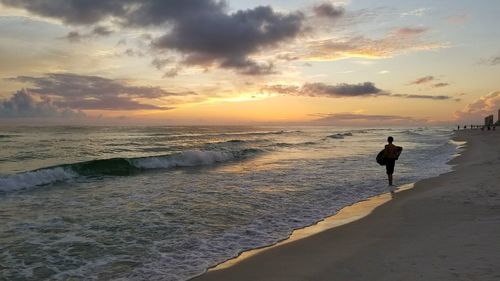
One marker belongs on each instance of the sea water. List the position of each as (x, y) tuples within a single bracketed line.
[(166, 203)]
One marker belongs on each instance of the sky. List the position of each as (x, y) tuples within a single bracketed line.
[(211, 62)]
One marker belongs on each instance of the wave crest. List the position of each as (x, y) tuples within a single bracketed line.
[(340, 135), (119, 167)]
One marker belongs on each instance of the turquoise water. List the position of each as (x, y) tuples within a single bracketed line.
[(166, 203)]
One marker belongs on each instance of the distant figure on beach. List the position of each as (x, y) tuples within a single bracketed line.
[(391, 154)]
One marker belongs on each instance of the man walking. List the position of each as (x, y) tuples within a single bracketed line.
[(391, 154)]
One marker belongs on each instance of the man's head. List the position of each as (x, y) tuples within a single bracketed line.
[(390, 139)]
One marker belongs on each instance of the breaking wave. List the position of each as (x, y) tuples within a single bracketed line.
[(119, 167), (340, 135)]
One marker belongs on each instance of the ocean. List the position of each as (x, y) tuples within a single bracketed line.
[(166, 203)]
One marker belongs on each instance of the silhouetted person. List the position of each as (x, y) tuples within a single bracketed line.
[(458, 128), (391, 154)]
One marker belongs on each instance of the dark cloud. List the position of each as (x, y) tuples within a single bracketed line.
[(157, 12), (328, 10), (172, 72), (93, 92), (250, 67), (228, 40), (203, 31), (74, 37), (423, 80), (366, 89), (74, 11), (102, 31), (440, 97), (326, 90), (160, 63), (108, 103), (340, 90), (440, 85), (364, 119), (24, 104), (428, 79)]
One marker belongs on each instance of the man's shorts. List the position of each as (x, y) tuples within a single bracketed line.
[(389, 166)]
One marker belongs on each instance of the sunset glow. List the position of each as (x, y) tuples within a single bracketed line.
[(248, 62)]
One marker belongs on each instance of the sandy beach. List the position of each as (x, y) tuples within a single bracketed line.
[(446, 228)]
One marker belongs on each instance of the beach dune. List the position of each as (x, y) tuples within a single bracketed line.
[(446, 228)]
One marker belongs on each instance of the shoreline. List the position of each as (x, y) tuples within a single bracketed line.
[(270, 262), (347, 214)]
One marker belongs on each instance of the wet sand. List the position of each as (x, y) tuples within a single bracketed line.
[(446, 228)]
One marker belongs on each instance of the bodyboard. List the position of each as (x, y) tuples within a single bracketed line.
[(380, 158), (399, 149)]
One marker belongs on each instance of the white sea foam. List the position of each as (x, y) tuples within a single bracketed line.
[(340, 135), (35, 178), (188, 158)]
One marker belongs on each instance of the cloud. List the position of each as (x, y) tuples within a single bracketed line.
[(427, 80), (23, 104), (397, 41), (364, 119), (328, 10), (102, 31), (228, 40), (202, 31), (157, 12), (340, 90), (74, 37), (160, 63), (250, 67), (133, 53), (208, 33), (423, 80), (366, 89), (172, 72), (416, 13), (326, 90), (495, 60), (73, 11), (475, 111), (287, 56), (440, 85), (410, 31), (413, 96), (93, 92)]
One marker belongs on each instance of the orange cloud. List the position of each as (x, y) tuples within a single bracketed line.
[(480, 108), (398, 41)]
